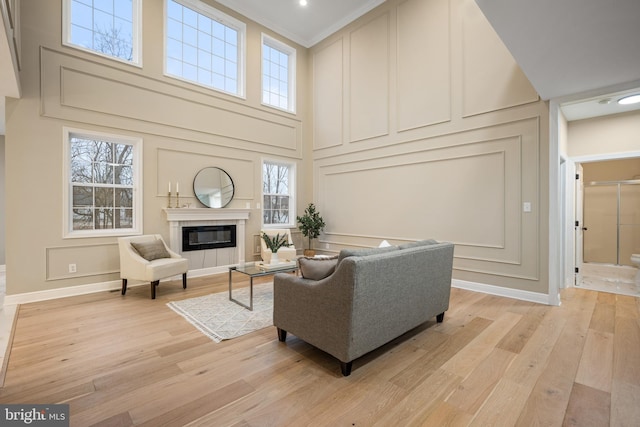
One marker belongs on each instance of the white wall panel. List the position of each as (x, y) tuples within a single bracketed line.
[(328, 96), (467, 188), (492, 80), (424, 66), (369, 80), (73, 88)]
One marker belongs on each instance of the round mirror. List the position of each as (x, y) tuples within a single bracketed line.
[(213, 187)]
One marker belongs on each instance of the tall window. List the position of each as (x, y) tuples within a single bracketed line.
[(103, 173), (278, 74), (107, 27), (278, 180), (205, 46)]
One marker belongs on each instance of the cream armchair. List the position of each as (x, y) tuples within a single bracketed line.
[(284, 253), (148, 258)]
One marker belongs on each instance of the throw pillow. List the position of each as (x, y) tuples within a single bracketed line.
[(317, 268), (384, 244), (151, 250)]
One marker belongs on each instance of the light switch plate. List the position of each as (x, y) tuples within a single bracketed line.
[(526, 206)]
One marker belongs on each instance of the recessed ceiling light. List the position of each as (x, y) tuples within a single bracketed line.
[(303, 2), (631, 99)]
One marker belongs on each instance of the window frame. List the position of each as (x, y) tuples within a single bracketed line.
[(224, 19), (292, 193), (67, 199), (291, 78), (136, 38)]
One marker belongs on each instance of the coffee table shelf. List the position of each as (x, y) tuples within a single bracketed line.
[(255, 270)]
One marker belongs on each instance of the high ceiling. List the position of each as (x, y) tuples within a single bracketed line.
[(573, 50), (305, 25), (576, 51)]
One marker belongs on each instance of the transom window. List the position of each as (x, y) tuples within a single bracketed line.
[(204, 46), (103, 178), (278, 180), (107, 27), (278, 74)]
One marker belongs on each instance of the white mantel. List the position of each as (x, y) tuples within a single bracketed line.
[(179, 217)]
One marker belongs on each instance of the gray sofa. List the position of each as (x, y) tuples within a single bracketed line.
[(372, 297)]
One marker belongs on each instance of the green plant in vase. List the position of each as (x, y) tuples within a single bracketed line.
[(310, 225), (274, 243)]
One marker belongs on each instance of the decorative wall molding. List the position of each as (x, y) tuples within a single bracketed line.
[(328, 96), (481, 77), (369, 80), (423, 81), (385, 176), (192, 162), (91, 260), (69, 81)]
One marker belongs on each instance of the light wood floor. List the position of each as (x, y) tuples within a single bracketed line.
[(120, 361)]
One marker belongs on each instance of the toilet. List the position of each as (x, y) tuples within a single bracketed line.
[(635, 259)]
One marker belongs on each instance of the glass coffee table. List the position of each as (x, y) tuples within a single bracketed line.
[(255, 269)]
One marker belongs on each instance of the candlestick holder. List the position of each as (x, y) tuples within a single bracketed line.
[(177, 199), (169, 200)]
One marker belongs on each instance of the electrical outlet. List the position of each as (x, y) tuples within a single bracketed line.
[(72, 268)]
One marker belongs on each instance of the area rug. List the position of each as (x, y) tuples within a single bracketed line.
[(220, 319)]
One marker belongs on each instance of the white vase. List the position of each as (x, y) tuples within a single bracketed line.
[(274, 258)]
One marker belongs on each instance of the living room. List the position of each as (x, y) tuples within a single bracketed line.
[(413, 121)]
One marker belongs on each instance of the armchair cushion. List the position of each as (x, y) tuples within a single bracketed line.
[(317, 268), (151, 250)]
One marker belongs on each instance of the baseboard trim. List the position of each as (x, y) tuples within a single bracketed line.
[(91, 288), (502, 292), (71, 291), (8, 318)]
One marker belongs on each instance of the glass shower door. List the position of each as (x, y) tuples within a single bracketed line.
[(629, 222), (601, 222)]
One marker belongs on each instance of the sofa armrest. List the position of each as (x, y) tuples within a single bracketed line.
[(318, 312), (132, 265)]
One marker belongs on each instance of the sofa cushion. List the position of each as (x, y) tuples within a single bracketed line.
[(344, 253), (317, 268), (151, 250), (427, 242)]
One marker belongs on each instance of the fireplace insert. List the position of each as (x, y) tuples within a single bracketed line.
[(208, 237)]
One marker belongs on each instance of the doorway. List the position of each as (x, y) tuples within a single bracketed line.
[(611, 226)]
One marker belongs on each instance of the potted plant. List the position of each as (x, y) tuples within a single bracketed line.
[(310, 225), (274, 243)]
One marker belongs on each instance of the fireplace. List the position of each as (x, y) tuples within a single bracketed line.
[(208, 237)]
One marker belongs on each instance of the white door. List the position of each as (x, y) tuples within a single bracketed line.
[(579, 225)]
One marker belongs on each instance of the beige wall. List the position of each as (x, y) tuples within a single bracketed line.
[(412, 122), (612, 170), (184, 128), (607, 135), (2, 201), (424, 126)]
